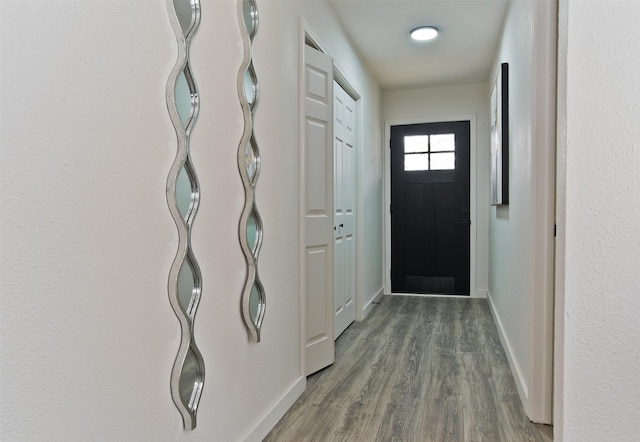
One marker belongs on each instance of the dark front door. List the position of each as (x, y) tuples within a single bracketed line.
[(430, 216)]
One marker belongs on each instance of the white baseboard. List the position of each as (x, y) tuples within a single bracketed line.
[(369, 304), (518, 377), (273, 415), (480, 293)]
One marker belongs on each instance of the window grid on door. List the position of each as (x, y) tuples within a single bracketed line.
[(429, 152)]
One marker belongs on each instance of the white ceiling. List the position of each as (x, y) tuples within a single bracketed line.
[(462, 53)]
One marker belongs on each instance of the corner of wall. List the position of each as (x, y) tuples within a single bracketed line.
[(561, 163), (368, 306), (277, 411), (480, 293)]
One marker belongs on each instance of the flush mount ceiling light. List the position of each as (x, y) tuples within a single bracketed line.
[(424, 33)]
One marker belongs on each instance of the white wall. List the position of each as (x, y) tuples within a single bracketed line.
[(510, 225), (453, 101), (598, 380), (88, 337), (521, 233), (87, 238)]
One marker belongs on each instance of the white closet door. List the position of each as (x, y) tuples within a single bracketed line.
[(344, 145), (318, 208)]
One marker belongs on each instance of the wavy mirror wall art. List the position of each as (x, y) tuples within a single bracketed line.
[(250, 230), (183, 196)]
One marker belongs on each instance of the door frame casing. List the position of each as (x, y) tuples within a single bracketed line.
[(474, 292)]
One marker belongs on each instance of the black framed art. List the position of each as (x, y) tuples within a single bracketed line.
[(500, 137)]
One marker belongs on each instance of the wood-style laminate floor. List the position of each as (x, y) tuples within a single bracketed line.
[(416, 369)]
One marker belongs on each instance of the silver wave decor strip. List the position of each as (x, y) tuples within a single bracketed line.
[(183, 196), (250, 230)]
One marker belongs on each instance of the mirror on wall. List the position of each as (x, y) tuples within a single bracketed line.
[(253, 301), (183, 195)]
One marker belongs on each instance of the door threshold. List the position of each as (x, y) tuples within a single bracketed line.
[(426, 295)]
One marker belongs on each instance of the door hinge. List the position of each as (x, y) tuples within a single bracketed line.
[(555, 230)]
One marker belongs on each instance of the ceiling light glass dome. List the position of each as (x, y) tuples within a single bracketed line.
[(424, 33)]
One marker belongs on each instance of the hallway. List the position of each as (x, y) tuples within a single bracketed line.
[(417, 369)]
